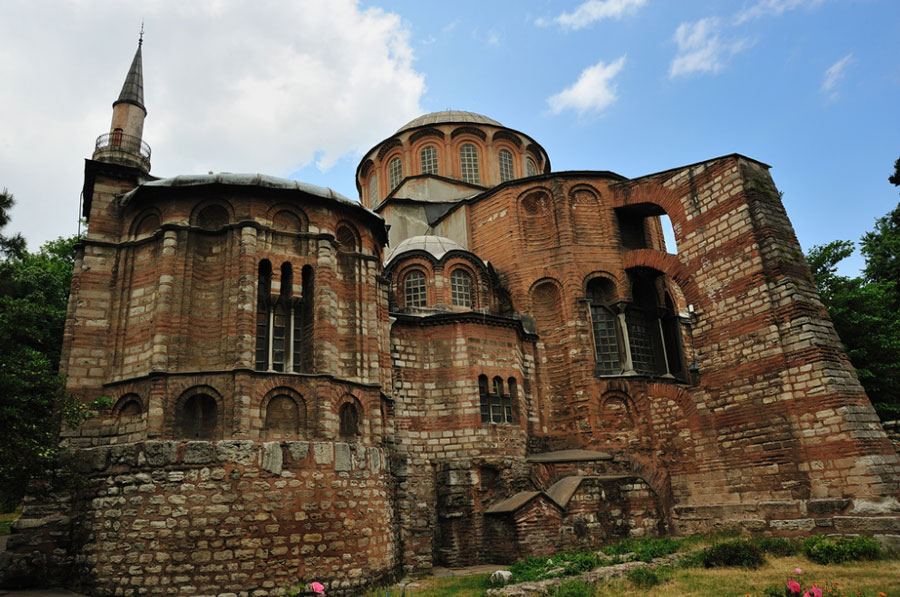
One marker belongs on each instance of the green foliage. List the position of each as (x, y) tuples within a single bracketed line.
[(737, 552), (866, 316), (573, 588), (644, 578), (645, 549), (777, 546), (34, 291), (568, 563), (834, 550)]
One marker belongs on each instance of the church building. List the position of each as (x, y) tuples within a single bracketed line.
[(478, 359)]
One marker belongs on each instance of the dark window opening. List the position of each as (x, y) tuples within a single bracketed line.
[(349, 420), (496, 407), (199, 418)]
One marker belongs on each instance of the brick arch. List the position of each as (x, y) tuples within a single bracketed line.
[(178, 414), (300, 404), (669, 265), (537, 217), (146, 221), (617, 282), (387, 146), (209, 213), (280, 210), (124, 405), (342, 406), (626, 420)]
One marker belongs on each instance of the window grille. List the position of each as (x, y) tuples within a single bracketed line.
[(395, 172), (461, 289), (373, 189), (468, 164), (505, 159), (414, 290), (429, 160), (530, 168)]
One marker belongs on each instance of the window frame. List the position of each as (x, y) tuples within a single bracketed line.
[(469, 164), (421, 289), (392, 175), (510, 165), (435, 159), (462, 273)]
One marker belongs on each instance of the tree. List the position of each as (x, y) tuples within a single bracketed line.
[(34, 292), (866, 310)]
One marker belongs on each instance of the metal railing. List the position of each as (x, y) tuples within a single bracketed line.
[(117, 140)]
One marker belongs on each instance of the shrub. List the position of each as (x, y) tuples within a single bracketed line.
[(643, 578), (574, 588), (645, 549), (834, 550), (738, 552), (779, 547), (567, 563)]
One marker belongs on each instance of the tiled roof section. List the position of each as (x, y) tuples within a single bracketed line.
[(514, 503), (133, 88), (436, 246), (244, 180), (455, 116)]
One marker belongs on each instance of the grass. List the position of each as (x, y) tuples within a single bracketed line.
[(869, 578), (7, 519)]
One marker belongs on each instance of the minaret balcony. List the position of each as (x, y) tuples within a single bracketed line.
[(119, 148)]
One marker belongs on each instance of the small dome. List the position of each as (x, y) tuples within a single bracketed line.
[(436, 246), (455, 116)]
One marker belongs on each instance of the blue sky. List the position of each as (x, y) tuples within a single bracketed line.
[(302, 89)]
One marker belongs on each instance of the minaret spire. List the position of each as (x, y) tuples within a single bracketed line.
[(124, 143), (133, 88)]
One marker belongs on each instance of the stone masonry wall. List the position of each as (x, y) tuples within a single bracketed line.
[(207, 518)]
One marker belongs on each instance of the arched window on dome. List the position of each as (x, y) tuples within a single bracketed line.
[(530, 168), (414, 290), (373, 189), (461, 288), (505, 160), (601, 295), (428, 160), (395, 172), (468, 164)]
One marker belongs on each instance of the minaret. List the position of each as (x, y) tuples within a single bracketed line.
[(123, 144)]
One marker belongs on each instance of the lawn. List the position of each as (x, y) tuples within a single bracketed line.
[(863, 578), (7, 519)]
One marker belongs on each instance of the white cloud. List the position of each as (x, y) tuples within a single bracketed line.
[(834, 74), (592, 92), (773, 8), (229, 86), (700, 48), (591, 11)]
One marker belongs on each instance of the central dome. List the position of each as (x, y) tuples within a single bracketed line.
[(448, 116)]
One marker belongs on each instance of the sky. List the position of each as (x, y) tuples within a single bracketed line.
[(301, 89)]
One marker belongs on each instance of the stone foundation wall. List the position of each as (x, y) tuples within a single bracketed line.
[(206, 518)]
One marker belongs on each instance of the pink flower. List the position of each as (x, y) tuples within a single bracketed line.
[(806, 594), (794, 586), (319, 588), (797, 571), (816, 591)]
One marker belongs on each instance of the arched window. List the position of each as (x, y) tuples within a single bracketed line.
[(468, 164), (461, 288), (530, 168), (644, 334), (198, 418), (496, 407), (505, 160), (428, 160), (414, 290), (373, 189), (395, 172), (601, 295), (282, 320), (212, 217), (349, 420), (263, 290), (285, 417)]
